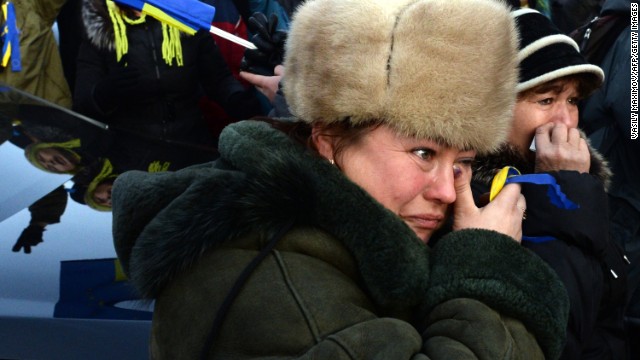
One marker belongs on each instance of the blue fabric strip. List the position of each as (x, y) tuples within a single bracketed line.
[(555, 194), (538, 239), (12, 36), (194, 13)]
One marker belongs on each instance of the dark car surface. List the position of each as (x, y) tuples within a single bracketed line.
[(63, 294)]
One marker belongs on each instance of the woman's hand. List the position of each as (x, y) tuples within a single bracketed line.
[(504, 214), (267, 85), (561, 148)]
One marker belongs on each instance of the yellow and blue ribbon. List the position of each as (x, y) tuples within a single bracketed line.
[(509, 174), (11, 38), (187, 15)]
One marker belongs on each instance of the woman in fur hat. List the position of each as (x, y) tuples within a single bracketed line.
[(145, 76), (319, 248), (575, 242)]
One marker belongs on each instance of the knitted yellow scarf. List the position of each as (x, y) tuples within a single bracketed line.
[(171, 45)]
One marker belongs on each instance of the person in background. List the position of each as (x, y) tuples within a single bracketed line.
[(282, 9), (574, 241), (51, 141), (568, 15), (543, 6), (228, 19), (145, 76), (262, 67), (604, 116), (70, 35), (36, 68), (44, 212), (311, 239)]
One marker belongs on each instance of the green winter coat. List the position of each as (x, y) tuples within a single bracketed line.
[(42, 73), (349, 279)]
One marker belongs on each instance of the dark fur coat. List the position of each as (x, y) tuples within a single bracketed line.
[(348, 262)]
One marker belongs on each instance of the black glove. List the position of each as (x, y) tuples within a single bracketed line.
[(121, 85), (31, 236), (270, 44)]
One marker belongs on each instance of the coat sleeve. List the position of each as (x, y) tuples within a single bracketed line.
[(465, 328), (459, 329), (220, 85), (216, 78), (585, 227), (509, 280), (309, 306), (489, 299), (382, 338)]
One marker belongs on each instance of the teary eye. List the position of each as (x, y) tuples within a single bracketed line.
[(424, 153), (545, 101), (466, 162), (574, 101)]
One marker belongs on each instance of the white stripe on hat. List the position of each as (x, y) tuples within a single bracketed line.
[(556, 74), (522, 11), (546, 41)]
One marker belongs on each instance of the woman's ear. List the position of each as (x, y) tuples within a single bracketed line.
[(322, 141)]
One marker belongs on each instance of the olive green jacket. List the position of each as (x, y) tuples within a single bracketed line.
[(42, 73), (348, 280)]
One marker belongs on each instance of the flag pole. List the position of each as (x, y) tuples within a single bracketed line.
[(231, 37)]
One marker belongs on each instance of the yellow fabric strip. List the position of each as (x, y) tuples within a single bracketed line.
[(119, 274), (157, 166), (171, 45), (7, 56), (164, 18), (5, 30), (119, 30)]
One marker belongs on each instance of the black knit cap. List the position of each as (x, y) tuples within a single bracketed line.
[(546, 53)]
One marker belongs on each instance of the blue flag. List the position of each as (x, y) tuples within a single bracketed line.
[(187, 15)]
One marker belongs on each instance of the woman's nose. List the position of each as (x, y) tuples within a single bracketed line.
[(566, 114), (441, 187)]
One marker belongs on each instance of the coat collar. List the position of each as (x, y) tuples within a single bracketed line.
[(262, 180), (97, 24)]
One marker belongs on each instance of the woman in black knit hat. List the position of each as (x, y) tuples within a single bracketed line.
[(544, 139)]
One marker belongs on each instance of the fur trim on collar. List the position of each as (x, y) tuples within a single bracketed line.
[(485, 167), (97, 24), (272, 181)]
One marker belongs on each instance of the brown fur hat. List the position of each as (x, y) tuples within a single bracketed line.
[(445, 70)]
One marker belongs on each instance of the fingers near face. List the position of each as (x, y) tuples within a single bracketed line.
[(416, 179), (551, 104)]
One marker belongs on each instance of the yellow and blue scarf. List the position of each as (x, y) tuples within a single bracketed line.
[(171, 45), (10, 38)]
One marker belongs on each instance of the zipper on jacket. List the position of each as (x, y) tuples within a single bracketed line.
[(154, 56)]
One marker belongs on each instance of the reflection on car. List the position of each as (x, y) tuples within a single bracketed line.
[(64, 294)]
